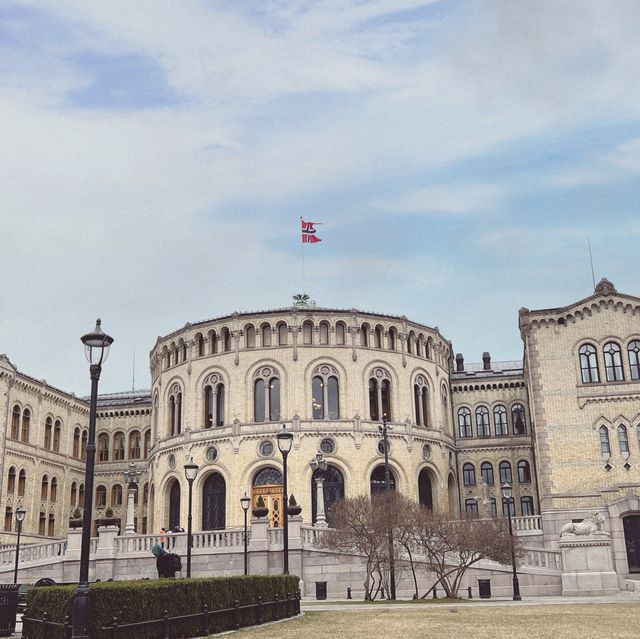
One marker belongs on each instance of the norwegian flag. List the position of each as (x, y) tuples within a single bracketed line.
[(309, 232)]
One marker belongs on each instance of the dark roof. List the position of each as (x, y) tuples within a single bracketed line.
[(498, 369)]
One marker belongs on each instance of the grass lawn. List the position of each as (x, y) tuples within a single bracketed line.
[(589, 621)]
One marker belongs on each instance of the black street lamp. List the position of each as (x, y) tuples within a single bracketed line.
[(190, 472), (384, 430), (285, 441), (245, 501), (20, 515), (507, 497), (131, 478), (96, 346)]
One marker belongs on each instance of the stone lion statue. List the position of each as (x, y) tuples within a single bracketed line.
[(590, 525)]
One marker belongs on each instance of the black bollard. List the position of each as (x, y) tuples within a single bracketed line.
[(435, 592), (470, 595), (349, 592)]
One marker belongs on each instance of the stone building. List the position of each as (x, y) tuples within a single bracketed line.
[(562, 426)]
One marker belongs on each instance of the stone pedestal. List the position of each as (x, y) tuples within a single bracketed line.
[(258, 546), (107, 541), (587, 565), (74, 543)]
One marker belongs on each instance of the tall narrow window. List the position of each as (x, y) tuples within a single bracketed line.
[(213, 342), (518, 420), (250, 336), (283, 333), (526, 506), (392, 339), (226, 339), (410, 342), (589, 364), (81, 496), (324, 391), (266, 335), (101, 496), (48, 433), (421, 400), (508, 507), (486, 472), (505, 473), (274, 399), (8, 519), (103, 447), (605, 448), (524, 472), (444, 396), (266, 395), (199, 340), (464, 422), (623, 439), (118, 446), (53, 494), (377, 336), (379, 395), (83, 444), (44, 488), (341, 334), (73, 501), (11, 483), (76, 442), (15, 422), (364, 335), (213, 401), (468, 475), (633, 350), (500, 420), (22, 483), (175, 410), (307, 333), (482, 422), (324, 333), (57, 430), (258, 400), (26, 423), (134, 445), (147, 443), (116, 495), (613, 362)]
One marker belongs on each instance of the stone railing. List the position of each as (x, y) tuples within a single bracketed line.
[(530, 522), (144, 543), (311, 536), (230, 538), (537, 558), (275, 536), (35, 552)]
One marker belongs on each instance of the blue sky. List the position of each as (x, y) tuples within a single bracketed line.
[(157, 156)]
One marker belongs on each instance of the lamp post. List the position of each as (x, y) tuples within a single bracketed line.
[(96, 346), (190, 472), (285, 440), (131, 479), (245, 501), (20, 515), (507, 497), (384, 430), (319, 467)]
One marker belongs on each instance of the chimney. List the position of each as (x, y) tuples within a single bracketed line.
[(459, 363), (486, 361)]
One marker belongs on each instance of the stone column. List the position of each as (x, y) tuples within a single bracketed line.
[(321, 519), (130, 528)]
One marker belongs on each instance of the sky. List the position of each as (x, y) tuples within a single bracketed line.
[(157, 156)]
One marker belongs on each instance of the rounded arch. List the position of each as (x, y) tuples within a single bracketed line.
[(172, 499), (377, 480), (333, 490), (427, 483), (452, 494), (214, 491)]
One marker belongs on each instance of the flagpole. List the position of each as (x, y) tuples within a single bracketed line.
[(302, 249)]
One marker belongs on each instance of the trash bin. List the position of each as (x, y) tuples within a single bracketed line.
[(484, 588), (8, 608), (321, 589)]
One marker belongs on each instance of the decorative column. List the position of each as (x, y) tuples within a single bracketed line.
[(319, 466), (131, 479)]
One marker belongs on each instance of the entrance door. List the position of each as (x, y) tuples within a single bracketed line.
[(213, 502), (268, 484), (632, 540), (425, 491), (174, 505)]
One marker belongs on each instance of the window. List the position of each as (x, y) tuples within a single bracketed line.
[(382, 447), (307, 333), (15, 422), (225, 336), (213, 342), (53, 495), (605, 448), (51, 530), (471, 506), (22, 483), (482, 422), (524, 472), (377, 482), (517, 419), (444, 396), (44, 488), (81, 496), (613, 362), (623, 439), (509, 507), (83, 444), (324, 333), (116, 495), (48, 433), (324, 390), (421, 400), (101, 496), (633, 350), (134, 445), (266, 395), (392, 339), (500, 421), (103, 447), (464, 422), (57, 429), (283, 333), (379, 395), (175, 410), (589, 364), (494, 508), (11, 482), (266, 448), (74, 495), (341, 334), (469, 475), (118, 446), (147, 443), (250, 336), (505, 473), (486, 472), (327, 446), (199, 340), (526, 506), (213, 401), (266, 335), (42, 524), (26, 421), (377, 336), (76, 442), (410, 342), (364, 335), (8, 518)]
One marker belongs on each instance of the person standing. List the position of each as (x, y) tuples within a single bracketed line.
[(166, 563)]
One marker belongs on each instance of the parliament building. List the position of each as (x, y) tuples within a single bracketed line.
[(561, 425)]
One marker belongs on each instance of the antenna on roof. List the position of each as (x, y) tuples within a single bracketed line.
[(133, 371), (593, 276)]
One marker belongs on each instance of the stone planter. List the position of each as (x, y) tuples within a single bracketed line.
[(294, 510), (260, 512), (75, 523)]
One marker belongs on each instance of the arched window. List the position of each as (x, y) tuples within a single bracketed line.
[(605, 448), (26, 422), (324, 333), (116, 495), (464, 422), (226, 339), (48, 433), (500, 420), (76, 442), (103, 447), (183, 351), (524, 472), (377, 336), (333, 490), (444, 396), (410, 342), (505, 473), (633, 350), (613, 362), (266, 395), (51, 528), (283, 333), (379, 395), (249, 336), (518, 420), (307, 332), (623, 439), (101, 496), (213, 342), (589, 364), (364, 335), (57, 430), (325, 400), (199, 340), (265, 335), (83, 444), (44, 488), (147, 443), (392, 338), (118, 446), (15, 422), (175, 410), (213, 502), (81, 496), (526, 506), (482, 421), (469, 475), (166, 357), (486, 472), (377, 482), (421, 400), (73, 501), (53, 495), (11, 482), (213, 401), (134, 445), (22, 483), (341, 334)]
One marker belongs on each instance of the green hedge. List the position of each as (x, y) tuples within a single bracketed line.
[(134, 601)]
